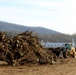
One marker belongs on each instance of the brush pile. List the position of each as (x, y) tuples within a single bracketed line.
[(24, 48)]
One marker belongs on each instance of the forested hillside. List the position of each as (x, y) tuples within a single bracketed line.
[(43, 33)]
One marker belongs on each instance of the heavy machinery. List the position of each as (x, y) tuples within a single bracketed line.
[(62, 49), (68, 50)]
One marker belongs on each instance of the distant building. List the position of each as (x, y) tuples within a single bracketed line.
[(54, 45)]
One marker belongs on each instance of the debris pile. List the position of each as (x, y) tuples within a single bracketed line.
[(24, 48)]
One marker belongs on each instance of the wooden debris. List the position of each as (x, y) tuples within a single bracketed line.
[(24, 48)]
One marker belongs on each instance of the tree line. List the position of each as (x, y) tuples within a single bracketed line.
[(47, 37)]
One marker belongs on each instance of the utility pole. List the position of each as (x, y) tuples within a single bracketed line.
[(73, 42)]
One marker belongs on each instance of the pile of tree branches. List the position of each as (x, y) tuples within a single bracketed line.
[(24, 48)]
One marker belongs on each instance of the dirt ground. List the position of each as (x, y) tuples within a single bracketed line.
[(68, 67)]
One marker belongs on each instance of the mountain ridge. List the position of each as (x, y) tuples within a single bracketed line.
[(5, 26)]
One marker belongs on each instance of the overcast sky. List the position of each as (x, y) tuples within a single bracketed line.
[(59, 15)]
